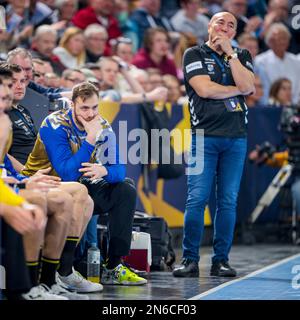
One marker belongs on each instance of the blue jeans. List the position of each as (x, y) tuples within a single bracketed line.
[(224, 159)]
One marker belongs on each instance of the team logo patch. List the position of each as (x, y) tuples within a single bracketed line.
[(193, 66), (210, 67)]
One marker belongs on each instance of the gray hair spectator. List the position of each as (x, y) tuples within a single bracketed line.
[(23, 58), (95, 40), (281, 11), (43, 44), (44, 39), (277, 61)]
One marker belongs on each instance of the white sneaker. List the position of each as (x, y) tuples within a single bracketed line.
[(60, 291), (42, 292), (76, 282)]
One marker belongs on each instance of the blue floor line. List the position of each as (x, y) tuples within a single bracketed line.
[(279, 281)]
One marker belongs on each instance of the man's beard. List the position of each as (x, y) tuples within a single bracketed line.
[(78, 121)]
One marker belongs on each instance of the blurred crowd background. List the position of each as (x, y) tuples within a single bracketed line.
[(68, 38)]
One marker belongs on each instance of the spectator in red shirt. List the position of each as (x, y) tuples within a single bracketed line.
[(155, 52), (99, 11)]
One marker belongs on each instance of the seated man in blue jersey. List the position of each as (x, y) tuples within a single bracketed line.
[(80, 145)]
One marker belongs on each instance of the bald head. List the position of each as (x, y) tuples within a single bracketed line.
[(222, 24), (221, 15)]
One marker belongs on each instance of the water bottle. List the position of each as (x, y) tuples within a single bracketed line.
[(93, 264)]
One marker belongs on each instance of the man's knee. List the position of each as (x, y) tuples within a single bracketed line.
[(81, 192), (35, 197), (127, 189), (60, 201), (90, 208)]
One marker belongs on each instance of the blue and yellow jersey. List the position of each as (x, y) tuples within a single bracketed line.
[(62, 145)]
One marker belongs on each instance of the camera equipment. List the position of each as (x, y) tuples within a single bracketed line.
[(290, 125), (264, 152)]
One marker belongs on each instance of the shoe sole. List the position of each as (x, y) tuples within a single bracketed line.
[(93, 291), (131, 284), (73, 289)]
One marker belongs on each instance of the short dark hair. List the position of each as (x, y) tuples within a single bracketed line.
[(14, 68), (5, 72), (84, 90)]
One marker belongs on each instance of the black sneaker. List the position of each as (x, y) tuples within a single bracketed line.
[(222, 269), (188, 268)]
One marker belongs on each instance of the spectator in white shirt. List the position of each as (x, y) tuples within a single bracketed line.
[(277, 62)]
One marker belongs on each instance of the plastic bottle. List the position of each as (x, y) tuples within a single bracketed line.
[(93, 264)]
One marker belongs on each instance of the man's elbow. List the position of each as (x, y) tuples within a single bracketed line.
[(247, 89), (203, 93)]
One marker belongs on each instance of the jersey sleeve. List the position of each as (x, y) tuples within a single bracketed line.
[(246, 60), (64, 162), (193, 64), (109, 156)]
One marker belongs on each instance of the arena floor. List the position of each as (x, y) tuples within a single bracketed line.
[(266, 273)]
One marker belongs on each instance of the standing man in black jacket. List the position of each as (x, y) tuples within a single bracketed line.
[(217, 77)]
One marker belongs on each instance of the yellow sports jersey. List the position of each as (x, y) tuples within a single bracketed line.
[(8, 196), (6, 148), (38, 159)]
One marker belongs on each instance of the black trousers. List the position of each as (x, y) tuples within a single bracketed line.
[(119, 201), (13, 260)]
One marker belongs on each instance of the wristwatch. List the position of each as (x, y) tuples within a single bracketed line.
[(232, 56)]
